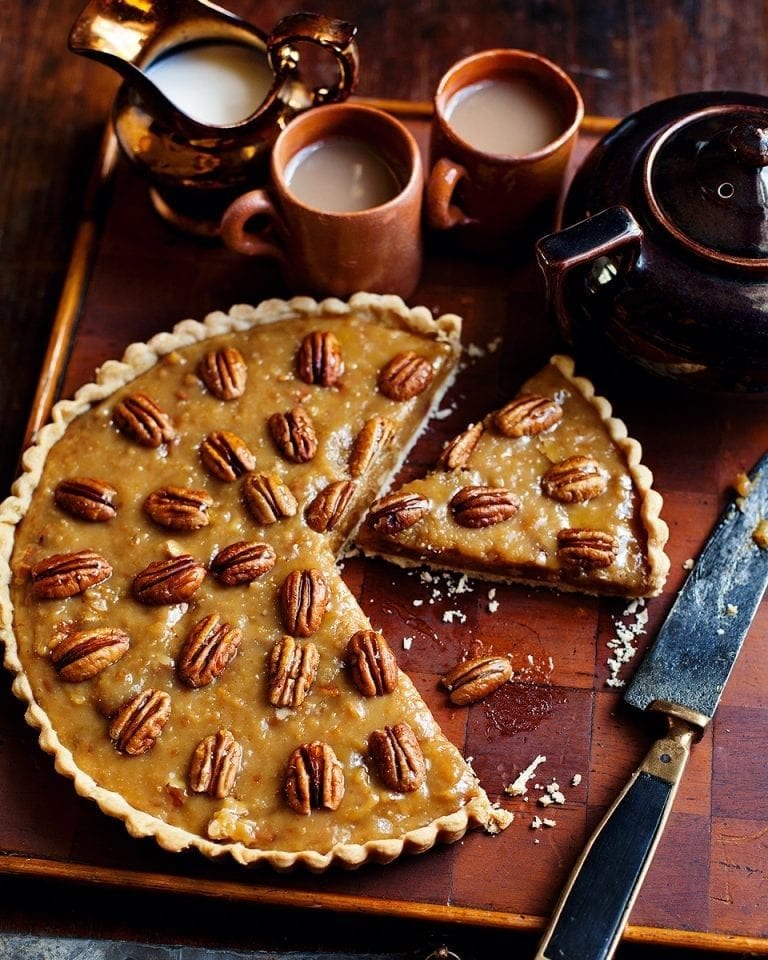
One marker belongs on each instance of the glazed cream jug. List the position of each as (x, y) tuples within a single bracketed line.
[(205, 94)]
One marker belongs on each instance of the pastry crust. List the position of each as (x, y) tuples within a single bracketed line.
[(473, 808), (530, 558)]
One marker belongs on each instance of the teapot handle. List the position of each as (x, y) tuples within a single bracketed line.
[(336, 36), (598, 235)]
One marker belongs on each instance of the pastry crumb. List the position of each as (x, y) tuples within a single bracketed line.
[(630, 625), (407, 643), (688, 564), (498, 820), (519, 786), (575, 779), (760, 534), (731, 609)]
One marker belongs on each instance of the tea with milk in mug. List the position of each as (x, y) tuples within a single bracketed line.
[(215, 83), (504, 116), (340, 174)]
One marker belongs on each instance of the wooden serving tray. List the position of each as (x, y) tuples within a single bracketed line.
[(132, 276)]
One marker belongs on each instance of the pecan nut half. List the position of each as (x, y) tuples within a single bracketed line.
[(397, 756), (210, 647), (85, 653), (242, 562), (455, 455), (294, 435), (586, 548), (175, 580), (472, 680), (405, 376), (372, 663), (314, 778), (139, 721), (527, 415), (142, 420), (226, 456), (86, 498), (327, 508), (268, 499), (67, 574), (179, 508), (224, 373), (292, 669), (575, 480), (397, 512), (375, 435), (476, 506), (304, 598), (319, 360), (215, 765)]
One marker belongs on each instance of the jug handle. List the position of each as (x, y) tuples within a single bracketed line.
[(444, 179), (558, 253), (336, 36)]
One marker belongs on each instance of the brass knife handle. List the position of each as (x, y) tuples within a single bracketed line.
[(594, 906)]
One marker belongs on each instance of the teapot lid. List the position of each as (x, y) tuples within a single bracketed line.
[(706, 181)]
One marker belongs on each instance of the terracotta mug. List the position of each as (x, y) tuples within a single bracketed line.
[(505, 124), (344, 210)]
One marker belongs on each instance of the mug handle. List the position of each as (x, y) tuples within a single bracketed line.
[(444, 178), (234, 221), (336, 36)]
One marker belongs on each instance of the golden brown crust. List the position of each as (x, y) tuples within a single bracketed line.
[(110, 377)]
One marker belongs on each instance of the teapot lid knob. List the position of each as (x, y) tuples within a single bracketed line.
[(706, 181), (749, 141)]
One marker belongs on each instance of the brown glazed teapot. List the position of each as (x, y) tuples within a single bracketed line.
[(196, 167), (664, 251)]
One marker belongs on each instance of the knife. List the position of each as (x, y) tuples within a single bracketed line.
[(682, 678)]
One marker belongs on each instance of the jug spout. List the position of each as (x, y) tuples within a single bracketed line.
[(123, 34)]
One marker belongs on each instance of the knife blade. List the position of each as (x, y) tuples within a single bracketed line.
[(682, 678)]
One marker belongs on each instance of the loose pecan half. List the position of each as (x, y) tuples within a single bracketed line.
[(405, 376), (268, 498), (86, 498), (575, 480), (215, 765), (586, 548), (372, 663), (224, 373), (472, 680), (179, 508), (314, 778), (292, 669), (397, 512), (210, 646), (319, 360), (174, 580), (374, 436), (140, 721), (328, 506), (476, 506), (85, 653), (67, 574), (303, 598), (294, 434), (456, 454), (226, 456), (142, 420), (397, 756), (527, 415), (242, 562)]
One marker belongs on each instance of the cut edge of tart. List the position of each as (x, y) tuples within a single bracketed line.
[(462, 516), (470, 808)]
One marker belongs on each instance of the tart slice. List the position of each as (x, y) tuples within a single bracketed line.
[(548, 490), (171, 604)]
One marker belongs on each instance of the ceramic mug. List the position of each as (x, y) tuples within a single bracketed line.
[(344, 210), (505, 124)]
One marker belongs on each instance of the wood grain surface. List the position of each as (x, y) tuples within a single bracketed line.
[(710, 876)]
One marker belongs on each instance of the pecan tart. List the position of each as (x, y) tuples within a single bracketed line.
[(172, 607), (549, 489)]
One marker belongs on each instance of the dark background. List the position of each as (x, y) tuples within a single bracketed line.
[(53, 106)]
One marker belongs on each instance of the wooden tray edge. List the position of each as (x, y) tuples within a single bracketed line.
[(267, 895)]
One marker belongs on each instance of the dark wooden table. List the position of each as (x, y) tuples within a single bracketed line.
[(623, 54)]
